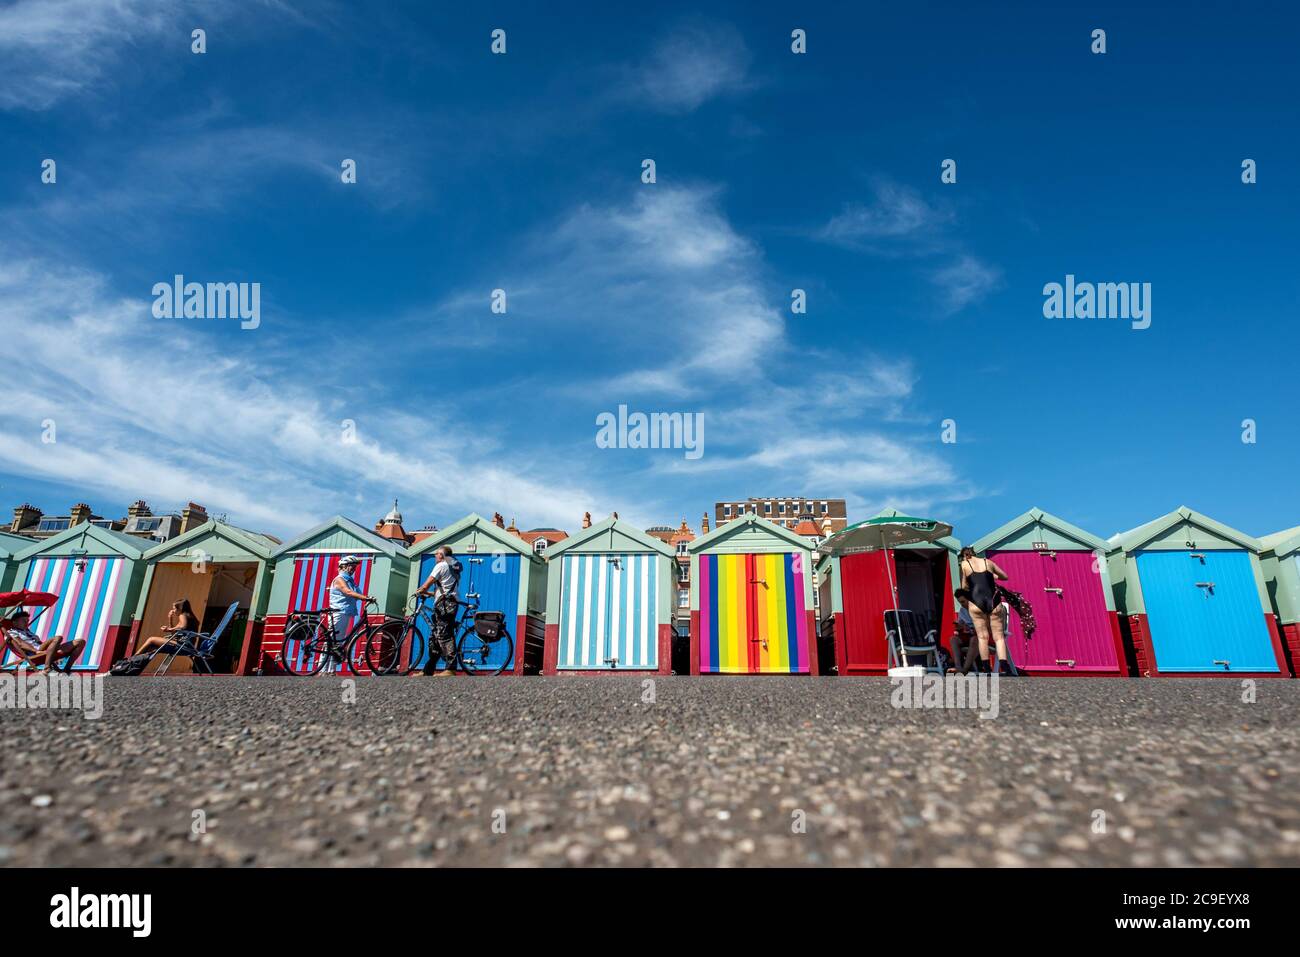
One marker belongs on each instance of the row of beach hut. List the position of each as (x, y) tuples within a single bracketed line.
[(1182, 595)]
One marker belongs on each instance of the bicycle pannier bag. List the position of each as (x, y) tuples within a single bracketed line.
[(489, 625)]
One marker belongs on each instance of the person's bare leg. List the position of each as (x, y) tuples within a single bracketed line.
[(70, 650), (50, 648), (981, 623), (998, 625)]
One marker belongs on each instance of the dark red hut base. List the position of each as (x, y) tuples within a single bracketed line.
[(1144, 654), (812, 644), (1291, 646), (551, 659)]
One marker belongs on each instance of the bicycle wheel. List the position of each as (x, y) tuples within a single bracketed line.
[(384, 647), (478, 656), (306, 649)]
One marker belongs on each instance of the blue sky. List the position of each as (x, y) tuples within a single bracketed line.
[(775, 171)]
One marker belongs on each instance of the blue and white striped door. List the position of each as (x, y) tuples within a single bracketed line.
[(609, 612)]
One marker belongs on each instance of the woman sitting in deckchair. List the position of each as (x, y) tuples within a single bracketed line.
[(180, 617), (19, 639)]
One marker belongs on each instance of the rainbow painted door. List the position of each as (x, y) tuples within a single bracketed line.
[(1074, 625), (88, 590), (752, 614), (609, 613)]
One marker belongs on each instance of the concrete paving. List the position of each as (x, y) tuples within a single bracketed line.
[(712, 771)]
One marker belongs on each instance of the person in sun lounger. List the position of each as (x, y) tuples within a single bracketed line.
[(19, 639)]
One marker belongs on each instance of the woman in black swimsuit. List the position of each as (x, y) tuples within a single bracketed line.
[(980, 576)]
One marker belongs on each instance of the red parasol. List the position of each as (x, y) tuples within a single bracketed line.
[(41, 599)]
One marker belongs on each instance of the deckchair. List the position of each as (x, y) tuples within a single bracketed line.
[(903, 631), (42, 602), (195, 645)]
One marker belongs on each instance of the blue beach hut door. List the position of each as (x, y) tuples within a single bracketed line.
[(1204, 613), (492, 581)]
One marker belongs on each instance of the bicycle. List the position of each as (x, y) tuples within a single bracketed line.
[(309, 643), (483, 646)]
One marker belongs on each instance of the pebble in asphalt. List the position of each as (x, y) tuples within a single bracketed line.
[(713, 771)]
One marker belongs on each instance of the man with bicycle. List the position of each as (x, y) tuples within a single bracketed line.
[(441, 586)]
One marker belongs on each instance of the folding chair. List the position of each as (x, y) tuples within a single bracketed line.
[(915, 641), (195, 645)]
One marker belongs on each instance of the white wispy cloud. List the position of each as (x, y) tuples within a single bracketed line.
[(964, 281), (692, 321), (901, 223), (897, 213), (693, 64), (145, 408)]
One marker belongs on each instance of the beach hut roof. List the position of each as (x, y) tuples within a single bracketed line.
[(473, 520), (727, 529), (1282, 543), (11, 545), (610, 524), (1135, 538), (260, 545), (380, 544), (1037, 515), (127, 545)]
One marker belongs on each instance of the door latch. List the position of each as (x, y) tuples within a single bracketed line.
[(612, 662), (1068, 662), (1058, 591), (1226, 664)]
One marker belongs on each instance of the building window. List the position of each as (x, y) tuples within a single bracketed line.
[(681, 548), (783, 508), (539, 546), (684, 598), (54, 524), (824, 508), (726, 510), (808, 508), (767, 508)]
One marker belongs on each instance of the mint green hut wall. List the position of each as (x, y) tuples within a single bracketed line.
[(1280, 560), (10, 545), (210, 566), (506, 573), (597, 631)]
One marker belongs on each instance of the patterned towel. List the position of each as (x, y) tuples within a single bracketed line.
[(1020, 605)]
